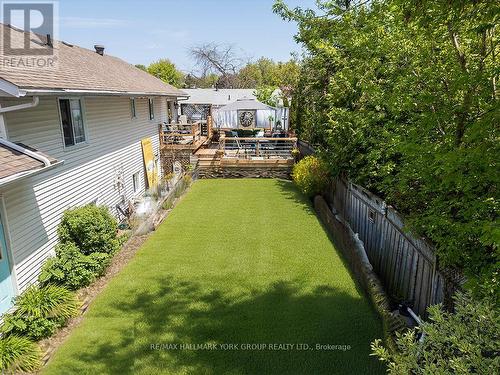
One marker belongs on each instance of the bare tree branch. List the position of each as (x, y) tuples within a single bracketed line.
[(212, 58)]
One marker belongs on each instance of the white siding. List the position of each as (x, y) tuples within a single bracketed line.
[(34, 206)]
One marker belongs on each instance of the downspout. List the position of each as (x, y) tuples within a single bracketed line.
[(25, 151), (16, 147), (18, 107)]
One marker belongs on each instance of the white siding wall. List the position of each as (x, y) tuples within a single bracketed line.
[(34, 206)]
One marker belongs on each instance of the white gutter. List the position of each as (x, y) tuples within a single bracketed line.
[(15, 146), (10, 89), (98, 93), (18, 176), (18, 107), (25, 151)]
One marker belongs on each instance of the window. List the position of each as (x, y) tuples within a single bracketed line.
[(72, 121), (132, 108), (135, 181), (151, 109)]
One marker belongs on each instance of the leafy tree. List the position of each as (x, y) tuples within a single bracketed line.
[(401, 96), (142, 67), (165, 70), (204, 82)]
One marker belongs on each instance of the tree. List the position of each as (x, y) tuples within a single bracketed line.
[(142, 67), (219, 59), (208, 81), (165, 70), (401, 96)]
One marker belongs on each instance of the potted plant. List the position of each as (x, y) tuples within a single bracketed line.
[(271, 119)]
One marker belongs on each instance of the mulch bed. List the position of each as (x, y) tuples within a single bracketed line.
[(88, 294)]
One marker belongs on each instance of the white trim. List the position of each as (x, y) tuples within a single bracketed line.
[(18, 107), (3, 127), (9, 88), (8, 250), (84, 120), (22, 175), (100, 93)]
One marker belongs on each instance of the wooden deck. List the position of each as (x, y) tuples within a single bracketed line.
[(228, 156), (210, 157), (193, 146)]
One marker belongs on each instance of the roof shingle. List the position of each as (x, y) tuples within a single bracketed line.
[(77, 68), (14, 162)]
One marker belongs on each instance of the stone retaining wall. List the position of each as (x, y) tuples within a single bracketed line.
[(245, 172)]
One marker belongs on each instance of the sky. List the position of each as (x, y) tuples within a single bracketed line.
[(141, 32)]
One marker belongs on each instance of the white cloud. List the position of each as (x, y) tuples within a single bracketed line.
[(92, 23)]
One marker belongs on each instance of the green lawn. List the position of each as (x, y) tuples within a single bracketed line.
[(236, 262)]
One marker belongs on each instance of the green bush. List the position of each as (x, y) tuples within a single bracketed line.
[(311, 175), (187, 179), (247, 133), (168, 204), (91, 228), (40, 311), (463, 342), (72, 269), (18, 354)]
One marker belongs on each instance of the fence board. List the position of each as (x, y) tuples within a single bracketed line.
[(405, 264)]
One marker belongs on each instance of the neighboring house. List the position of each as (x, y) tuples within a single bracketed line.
[(69, 136), (202, 102), (249, 114)]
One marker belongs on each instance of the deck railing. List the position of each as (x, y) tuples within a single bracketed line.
[(259, 148), (180, 134)]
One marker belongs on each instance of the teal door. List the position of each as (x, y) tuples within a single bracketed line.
[(6, 288)]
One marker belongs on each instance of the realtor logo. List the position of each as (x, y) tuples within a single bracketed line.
[(34, 46)]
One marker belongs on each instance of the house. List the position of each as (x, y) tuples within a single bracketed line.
[(248, 113), (227, 106), (69, 136), (202, 102)]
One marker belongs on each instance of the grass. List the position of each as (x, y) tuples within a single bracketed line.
[(237, 262)]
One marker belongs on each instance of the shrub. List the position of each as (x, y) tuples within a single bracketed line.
[(40, 311), (91, 228), (187, 179), (168, 204), (463, 342), (71, 268), (247, 133), (310, 175), (18, 354)]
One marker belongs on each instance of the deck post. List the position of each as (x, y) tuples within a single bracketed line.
[(160, 134)]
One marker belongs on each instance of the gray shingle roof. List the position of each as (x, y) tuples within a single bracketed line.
[(217, 97), (78, 68)]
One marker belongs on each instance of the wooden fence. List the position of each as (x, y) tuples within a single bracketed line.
[(406, 265)]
